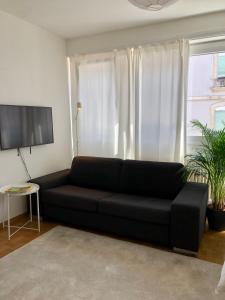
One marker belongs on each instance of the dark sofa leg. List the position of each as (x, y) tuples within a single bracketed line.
[(186, 252)]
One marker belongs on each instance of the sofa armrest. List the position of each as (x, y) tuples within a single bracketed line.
[(52, 180), (188, 215)]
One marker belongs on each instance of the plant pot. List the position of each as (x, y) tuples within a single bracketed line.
[(216, 219)]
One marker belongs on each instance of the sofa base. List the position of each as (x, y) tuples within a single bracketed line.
[(129, 228), (186, 252)]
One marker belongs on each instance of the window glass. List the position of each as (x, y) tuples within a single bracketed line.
[(219, 118), (206, 95), (221, 65)]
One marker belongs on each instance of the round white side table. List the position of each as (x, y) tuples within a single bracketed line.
[(7, 198)]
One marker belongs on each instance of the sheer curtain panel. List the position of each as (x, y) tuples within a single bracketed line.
[(98, 119), (133, 102), (161, 106), (103, 87)]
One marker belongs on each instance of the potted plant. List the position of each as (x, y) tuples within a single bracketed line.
[(208, 161)]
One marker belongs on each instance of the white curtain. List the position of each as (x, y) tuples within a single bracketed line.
[(125, 72), (97, 120), (133, 102), (103, 87), (162, 102)]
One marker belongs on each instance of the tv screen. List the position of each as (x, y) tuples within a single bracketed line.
[(25, 126)]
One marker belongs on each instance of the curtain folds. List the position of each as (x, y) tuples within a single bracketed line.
[(98, 116), (164, 69), (133, 102)]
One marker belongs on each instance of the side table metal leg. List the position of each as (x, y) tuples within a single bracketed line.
[(31, 213), (8, 208), (38, 211)]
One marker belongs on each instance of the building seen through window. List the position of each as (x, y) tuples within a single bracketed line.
[(206, 95)]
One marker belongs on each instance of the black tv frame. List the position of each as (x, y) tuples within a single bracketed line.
[(30, 146)]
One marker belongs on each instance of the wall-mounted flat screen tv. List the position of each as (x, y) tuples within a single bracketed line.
[(25, 126)]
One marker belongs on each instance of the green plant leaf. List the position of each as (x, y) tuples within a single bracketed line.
[(209, 162)]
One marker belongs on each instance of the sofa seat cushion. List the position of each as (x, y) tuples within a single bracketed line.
[(74, 197), (146, 209)]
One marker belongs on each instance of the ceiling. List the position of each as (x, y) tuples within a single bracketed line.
[(75, 18)]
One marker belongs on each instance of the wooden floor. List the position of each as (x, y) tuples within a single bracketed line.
[(22, 237), (212, 248)]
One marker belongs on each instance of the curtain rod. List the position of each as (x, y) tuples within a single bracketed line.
[(215, 38), (125, 48)]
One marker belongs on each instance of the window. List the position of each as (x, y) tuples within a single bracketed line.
[(206, 95), (219, 72), (221, 65), (219, 118)]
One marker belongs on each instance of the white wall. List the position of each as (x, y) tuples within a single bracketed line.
[(33, 72), (193, 27)]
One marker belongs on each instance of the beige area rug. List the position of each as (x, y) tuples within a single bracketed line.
[(71, 264)]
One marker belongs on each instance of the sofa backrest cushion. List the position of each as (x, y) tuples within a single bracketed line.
[(158, 179), (96, 172)]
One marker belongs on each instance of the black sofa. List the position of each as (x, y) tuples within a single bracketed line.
[(139, 199)]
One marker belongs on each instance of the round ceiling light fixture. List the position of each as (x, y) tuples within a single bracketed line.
[(152, 4)]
